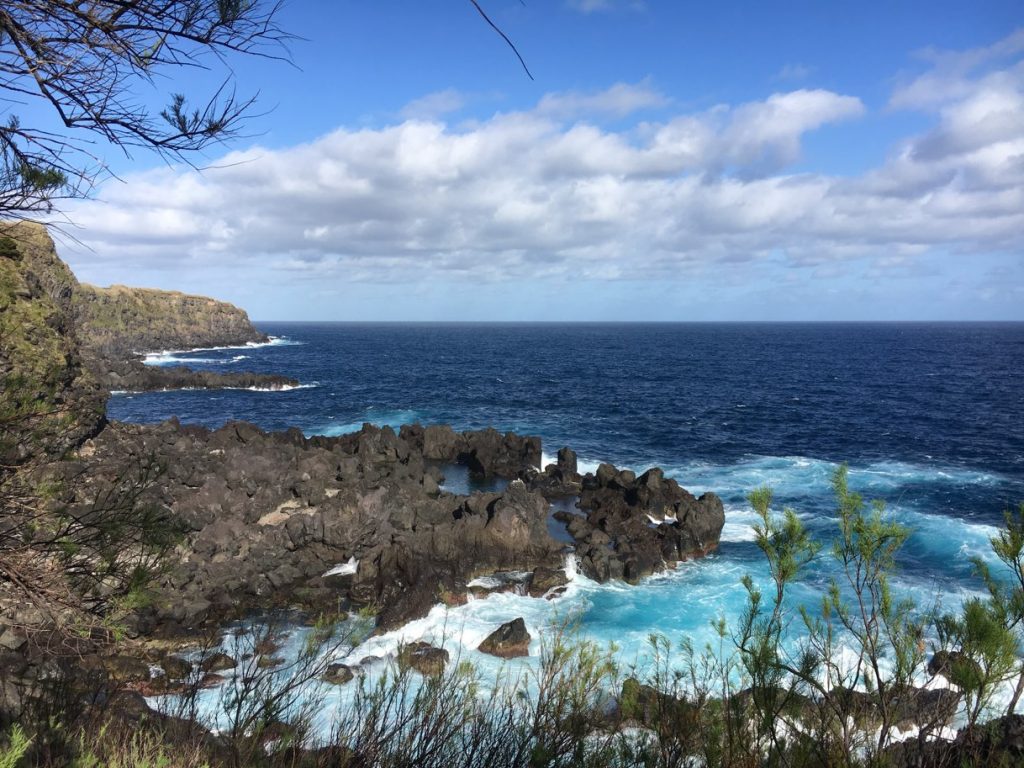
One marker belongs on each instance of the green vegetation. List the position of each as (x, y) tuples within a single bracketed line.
[(48, 400), (12, 754)]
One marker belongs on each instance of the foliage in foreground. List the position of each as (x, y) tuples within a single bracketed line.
[(838, 683)]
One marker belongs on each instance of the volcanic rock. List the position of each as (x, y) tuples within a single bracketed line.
[(637, 526), (508, 641), (338, 674), (423, 657), (217, 662), (544, 580), (955, 666)]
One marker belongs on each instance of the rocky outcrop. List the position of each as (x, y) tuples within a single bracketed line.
[(636, 526), (278, 519), (561, 479), (651, 708), (486, 453), (999, 742), (133, 376), (274, 519), (957, 667)]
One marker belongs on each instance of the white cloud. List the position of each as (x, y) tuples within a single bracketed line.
[(952, 74), (538, 193), (434, 105), (617, 101)]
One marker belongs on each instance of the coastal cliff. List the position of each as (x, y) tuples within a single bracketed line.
[(120, 321), (66, 344), (117, 325), (51, 400)]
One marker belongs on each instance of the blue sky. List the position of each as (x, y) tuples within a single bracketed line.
[(670, 161)]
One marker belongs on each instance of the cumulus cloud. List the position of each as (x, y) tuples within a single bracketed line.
[(543, 192)]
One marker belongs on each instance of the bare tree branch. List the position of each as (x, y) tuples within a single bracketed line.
[(86, 60), (504, 37)]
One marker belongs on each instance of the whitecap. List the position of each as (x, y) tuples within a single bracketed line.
[(170, 356), (278, 388), (348, 568), (388, 418)]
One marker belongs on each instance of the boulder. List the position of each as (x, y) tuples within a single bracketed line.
[(423, 657), (175, 667), (544, 580), (338, 674), (118, 668), (649, 707), (217, 662), (212, 680), (508, 641)]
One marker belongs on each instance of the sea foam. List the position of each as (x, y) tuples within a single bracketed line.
[(173, 356)]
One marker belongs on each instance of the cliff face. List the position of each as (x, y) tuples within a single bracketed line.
[(120, 321), (63, 345), (50, 402), (115, 324)]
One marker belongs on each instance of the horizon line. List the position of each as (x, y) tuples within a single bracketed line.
[(654, 322)]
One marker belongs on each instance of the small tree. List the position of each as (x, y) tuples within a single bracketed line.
[(788, 548), (1007, 592), (985, 654)]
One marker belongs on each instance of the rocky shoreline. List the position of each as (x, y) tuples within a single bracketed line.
[(267, 516), (132, 375)]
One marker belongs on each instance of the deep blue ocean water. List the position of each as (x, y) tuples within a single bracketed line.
[(930, 417)]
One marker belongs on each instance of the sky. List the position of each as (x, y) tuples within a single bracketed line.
[(667, 161)]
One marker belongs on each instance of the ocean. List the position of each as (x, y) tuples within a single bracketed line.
[(929, 417)]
